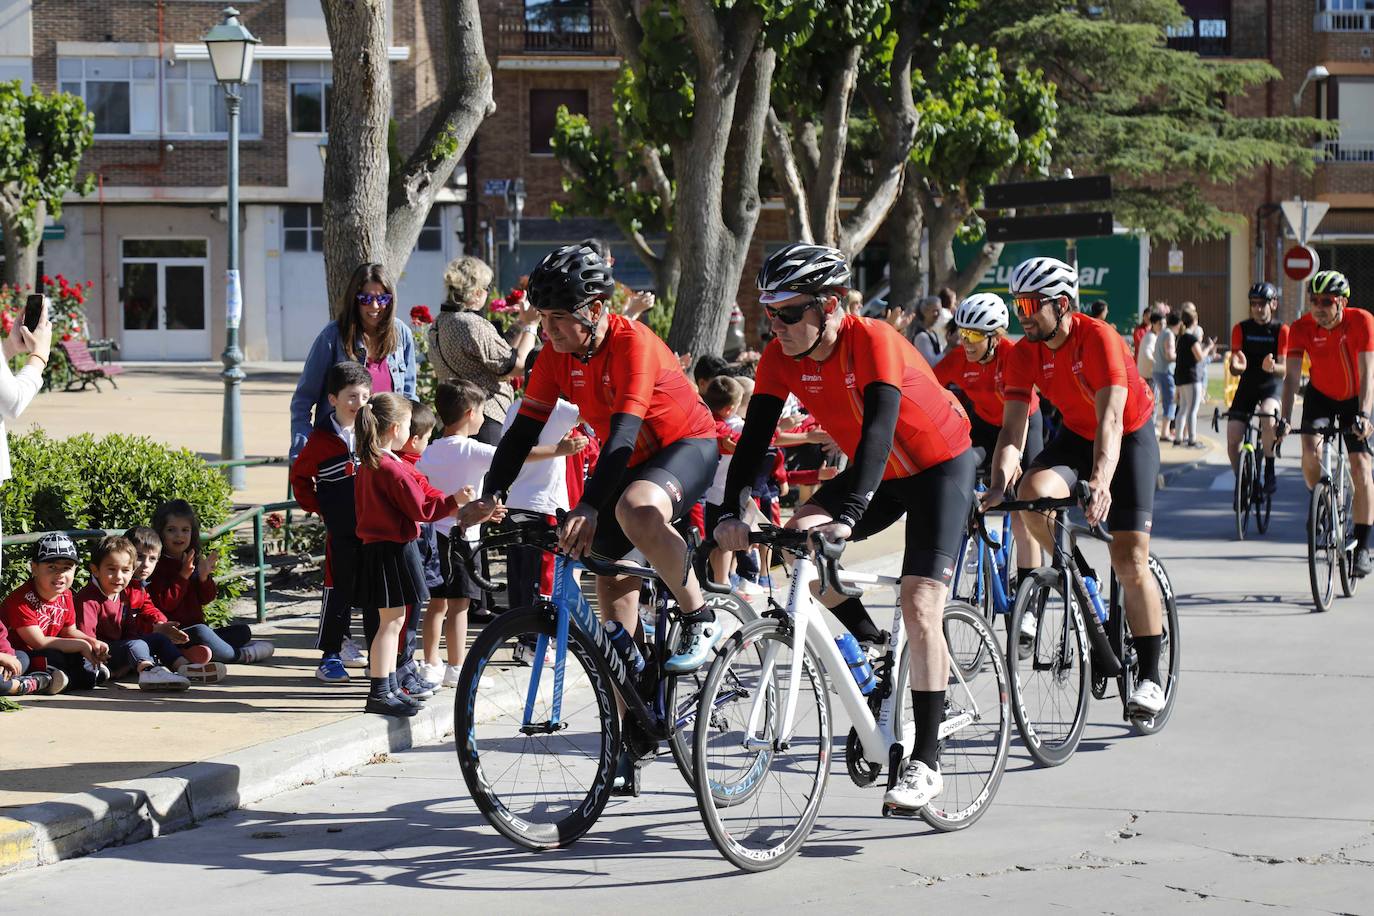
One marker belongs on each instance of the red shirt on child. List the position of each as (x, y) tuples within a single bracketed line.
[(181, 600), (23, 608), (129, 615), (391, 502)]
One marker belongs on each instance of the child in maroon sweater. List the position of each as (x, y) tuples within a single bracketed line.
[(181, 585), (391, 504), (41, 618)]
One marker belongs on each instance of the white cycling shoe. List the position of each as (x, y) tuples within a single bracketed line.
[(918, 786), (1147, 697), (698, 639)]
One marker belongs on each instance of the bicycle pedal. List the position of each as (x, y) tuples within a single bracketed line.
[(895, 811)]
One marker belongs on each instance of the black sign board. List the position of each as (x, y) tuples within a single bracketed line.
[(1055, 226), (1044, 193)]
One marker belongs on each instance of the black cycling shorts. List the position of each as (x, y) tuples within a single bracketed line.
[(1133, 486), (984, 437), (684, 469), (936, 503), (1253, 390), (1317, 407)]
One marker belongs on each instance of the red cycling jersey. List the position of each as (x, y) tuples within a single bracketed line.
[(1094, 357), (1335, 353), (632, 372), (984, 383), (931, 424)]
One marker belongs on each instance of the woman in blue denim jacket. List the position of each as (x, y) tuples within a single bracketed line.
[(368, 332)]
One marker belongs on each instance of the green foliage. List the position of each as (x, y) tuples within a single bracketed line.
[(42, 139), (114, 482), (68, 322)]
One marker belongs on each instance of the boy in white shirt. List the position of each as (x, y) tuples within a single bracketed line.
[(723, 395)]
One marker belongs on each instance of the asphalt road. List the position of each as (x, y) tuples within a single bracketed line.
[(1256, 797)]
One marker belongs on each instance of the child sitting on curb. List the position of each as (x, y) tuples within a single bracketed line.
[(14, 682), (181, 585), (41, 618), (140, 637)]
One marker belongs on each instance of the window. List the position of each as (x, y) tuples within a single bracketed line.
[(432, 235), (558, 15), (303, 227), (122, 94), (1206, 30), (544, 104), (311, 87)]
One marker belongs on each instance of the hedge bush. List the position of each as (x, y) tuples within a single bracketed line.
[(113, 482)]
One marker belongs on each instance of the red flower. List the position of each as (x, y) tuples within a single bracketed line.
[(47, 280), (420, 314), (76, 294), (90, 283), (7, 322), (275, 521), (71, 315), (516, 295), (66, 337)]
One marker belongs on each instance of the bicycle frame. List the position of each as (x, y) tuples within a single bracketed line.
[(988, 557)]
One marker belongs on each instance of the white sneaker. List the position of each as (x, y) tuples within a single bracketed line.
[(433, 675), (749, 589), (208, 673), (1028, 628), (524, 655), (451, 673), (159, 678), (256, 651), (1147, 697), (918, 786), (352, 655), (102, 675)]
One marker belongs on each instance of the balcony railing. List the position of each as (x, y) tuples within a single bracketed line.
[(1203, 45), (1341, 151), (565, 30), (1344, 21)]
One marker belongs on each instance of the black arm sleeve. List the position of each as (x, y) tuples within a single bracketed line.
[(764, 412), (882, 404), (615, 457), (511, 453)]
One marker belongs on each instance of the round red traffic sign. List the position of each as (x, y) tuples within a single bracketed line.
[(1300, 262)]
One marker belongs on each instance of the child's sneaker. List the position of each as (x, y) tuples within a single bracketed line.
[(255, 651), (208, 673), (29, 684), (417, 687), (451, 673), (57, 681), (352, 655), (433, 675), (197, 655), (102, 675), (160, 679), (390, 705), (332, 670)]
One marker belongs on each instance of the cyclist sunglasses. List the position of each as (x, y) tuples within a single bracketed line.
[(973, 335), (1325, 300), (382, 299), (788, 314), (1026, 306)]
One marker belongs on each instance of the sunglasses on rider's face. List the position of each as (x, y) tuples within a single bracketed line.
[(1027, 306), (1260, 303), (973, 335), (382, 299), (1325, 300), (788, 314)]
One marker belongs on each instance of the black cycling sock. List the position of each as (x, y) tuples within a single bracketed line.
[(702, 615), (852, 613), (928, 709), (380, 687), (1023, 573), (1147, 652)]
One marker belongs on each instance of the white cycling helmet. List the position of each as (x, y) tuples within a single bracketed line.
[(984, 312), (1049, 277)]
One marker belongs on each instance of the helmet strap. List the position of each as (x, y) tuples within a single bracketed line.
[(591, 325), (815, 304), (992, 349)]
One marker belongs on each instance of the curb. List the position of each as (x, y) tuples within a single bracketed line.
[(1166, 477), (139, 809)]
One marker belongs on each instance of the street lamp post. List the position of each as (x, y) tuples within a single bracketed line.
[(231, 55)]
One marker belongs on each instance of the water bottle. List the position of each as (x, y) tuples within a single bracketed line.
[(857, 659), (625, 645), (1096, 597)]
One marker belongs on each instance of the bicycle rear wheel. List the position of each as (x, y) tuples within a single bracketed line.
[(1049, 686), (1321, 545), (782, 774), (1170, 657), (1264, 506), (1346, 541), (1244, 490), (540, 787), (973, 752)]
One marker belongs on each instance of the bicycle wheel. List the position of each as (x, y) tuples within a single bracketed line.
[(781, 767), (1321, 545), (1049, 686), (541, 788), (1170, 657), (967, 651), (683, 691), (973, 752), (1244, 490), (968, 582), (1264, 506), (1345, 543)]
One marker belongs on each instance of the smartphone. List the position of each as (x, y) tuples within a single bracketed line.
[(35, 308)]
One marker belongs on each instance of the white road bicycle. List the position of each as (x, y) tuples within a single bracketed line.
[(764, 731)]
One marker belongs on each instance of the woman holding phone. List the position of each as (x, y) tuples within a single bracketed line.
[(32, 336)]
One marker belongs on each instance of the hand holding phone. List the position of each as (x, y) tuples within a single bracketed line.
[(34, 333), (36, 307)]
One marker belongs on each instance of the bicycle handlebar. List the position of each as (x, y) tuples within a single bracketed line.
[(538, 532), (825, 553), (1082, 495), (1218, 413)]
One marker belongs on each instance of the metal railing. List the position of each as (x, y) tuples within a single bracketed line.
[(1344, 21), (570, 30), (1342, 151)]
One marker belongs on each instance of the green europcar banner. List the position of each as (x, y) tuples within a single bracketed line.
[(1114, 268)]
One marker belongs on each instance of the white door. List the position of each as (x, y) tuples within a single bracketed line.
[(164, 296), (305, 304)]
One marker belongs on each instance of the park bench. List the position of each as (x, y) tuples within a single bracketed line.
[(85, 370)]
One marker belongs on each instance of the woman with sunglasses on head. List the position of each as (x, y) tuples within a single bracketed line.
[(907, 439), (1085, 367), (367, 331)]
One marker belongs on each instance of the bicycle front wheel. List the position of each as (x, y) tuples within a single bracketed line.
[(747, 748), (976, 732), (1244, 490), (1048, 671), (542, 783), (1346, 542), (1170, 653), (1321, 545)]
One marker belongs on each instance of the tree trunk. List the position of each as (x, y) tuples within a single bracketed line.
[(21, 261), (944, 222), (904, 225)]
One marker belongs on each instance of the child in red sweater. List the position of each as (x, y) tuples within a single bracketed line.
[(41, 618), (181, 585), (390, 577)]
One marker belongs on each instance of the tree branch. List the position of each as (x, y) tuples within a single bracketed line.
[(825, 192), (790, 183), (653, 165), (744, 151), (628, 32), (808, 148)]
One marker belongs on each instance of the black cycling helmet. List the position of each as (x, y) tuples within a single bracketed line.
[(1332, 282), (802, 268), (569, 279), (1264, 290)]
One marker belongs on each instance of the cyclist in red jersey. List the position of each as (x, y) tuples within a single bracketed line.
[(1084, 367), (907, 439), (658, 451), (978, 367), (1340, 342)]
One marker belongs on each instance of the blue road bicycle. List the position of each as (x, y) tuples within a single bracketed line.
[(538, 742)]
